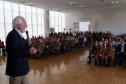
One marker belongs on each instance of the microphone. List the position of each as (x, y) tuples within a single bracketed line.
[(27, 35)]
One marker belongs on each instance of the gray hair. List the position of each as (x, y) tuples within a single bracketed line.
[(17, 20)]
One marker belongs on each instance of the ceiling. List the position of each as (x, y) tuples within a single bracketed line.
[(64, 6)]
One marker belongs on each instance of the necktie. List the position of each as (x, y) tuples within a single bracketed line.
[(122, 47)]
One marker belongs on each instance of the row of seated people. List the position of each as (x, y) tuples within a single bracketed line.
[(86, 34), (108, 50), (55, 45)]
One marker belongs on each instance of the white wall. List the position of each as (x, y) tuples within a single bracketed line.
[(111, 21), (70, 19), (114, 21)]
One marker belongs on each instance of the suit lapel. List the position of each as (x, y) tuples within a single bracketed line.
[(19, 37)]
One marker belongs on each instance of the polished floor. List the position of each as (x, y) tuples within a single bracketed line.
[(69, 68)]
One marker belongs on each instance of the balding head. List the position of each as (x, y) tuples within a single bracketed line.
[(19, 23)]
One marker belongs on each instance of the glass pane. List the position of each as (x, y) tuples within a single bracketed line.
[(51, 13), (35, 30), (39, 11), (42, 23), (28, 14), (56, 29), (60, 15), (60, 21), (8, 28), (15, 10), (34, 10), (56, 22), (60, 29), (7, 5), (43, 30), (56, 14), (8, 17), (2, 32), (63, 20), (1, 4), (29, 29), (34, 21), (51, 20), (39, 19), (22, 11), (29, 22), (40, 30), (1, 16)]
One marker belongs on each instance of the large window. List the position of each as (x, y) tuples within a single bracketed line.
[(32, 15), (22, 13), (2, 28), (8, 17), (83, 26), (57, 20), (15, 10), (29, 20), (34, 21)]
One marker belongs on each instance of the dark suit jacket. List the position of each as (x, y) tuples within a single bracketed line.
[(81, 39), (18, 53), (93, 48), (118, 49)]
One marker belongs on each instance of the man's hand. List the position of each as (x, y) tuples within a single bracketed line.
[(91, 54), (29, 41), (32, 50), (100, 55)]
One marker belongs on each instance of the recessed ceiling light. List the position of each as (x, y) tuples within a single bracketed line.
[(113, 2), (29, 3), (22, 1), (72, 3), (65, 12), (116, 2), (45, 7), (82, 6), (56, 10)]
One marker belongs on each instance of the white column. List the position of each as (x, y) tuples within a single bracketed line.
[(46, 23)]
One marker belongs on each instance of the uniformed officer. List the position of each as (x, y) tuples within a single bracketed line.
[(52, 45), (40, 47), (110, 51), (57, 47)]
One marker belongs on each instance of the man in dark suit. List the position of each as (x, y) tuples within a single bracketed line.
[(17, 53), (121, 51), (81, 41), (92, 51)]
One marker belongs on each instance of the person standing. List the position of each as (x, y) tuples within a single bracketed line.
[(18, 52)]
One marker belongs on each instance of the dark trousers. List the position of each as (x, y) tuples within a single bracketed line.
[(120, 56)]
